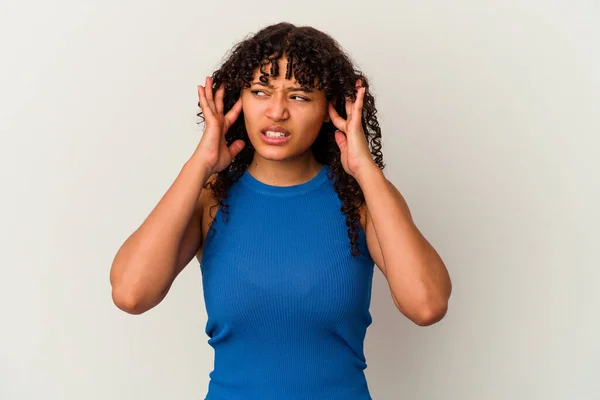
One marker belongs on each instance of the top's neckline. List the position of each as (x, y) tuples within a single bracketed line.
[(248, 180)]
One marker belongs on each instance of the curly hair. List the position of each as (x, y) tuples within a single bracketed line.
[(315, 59)]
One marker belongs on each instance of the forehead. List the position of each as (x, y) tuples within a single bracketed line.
[(280, 81), (277, 81), (280, 78)]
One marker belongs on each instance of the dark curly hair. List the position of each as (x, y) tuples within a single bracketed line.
[(315, 59)]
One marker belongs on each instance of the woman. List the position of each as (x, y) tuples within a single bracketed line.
[(285, 205)]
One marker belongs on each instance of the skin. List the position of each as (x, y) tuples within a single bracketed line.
[(417, 277), (283, 103), (152, 257)]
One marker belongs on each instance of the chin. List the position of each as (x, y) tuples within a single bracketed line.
[(277, 154)]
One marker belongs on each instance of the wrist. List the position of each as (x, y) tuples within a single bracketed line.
[(368, 173), (197, 164)]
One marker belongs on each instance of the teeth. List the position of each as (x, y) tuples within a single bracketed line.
[(275, 134)]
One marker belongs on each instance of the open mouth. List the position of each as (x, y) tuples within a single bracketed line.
[(275, 134), (274, 137)]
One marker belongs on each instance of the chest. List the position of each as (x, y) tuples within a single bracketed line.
[(211, 207), (283, 260)]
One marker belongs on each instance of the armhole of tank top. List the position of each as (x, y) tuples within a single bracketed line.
[(362, 242), (212, 229), (362, 245), (206, 245)]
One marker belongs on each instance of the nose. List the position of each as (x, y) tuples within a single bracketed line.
[(277, 109)]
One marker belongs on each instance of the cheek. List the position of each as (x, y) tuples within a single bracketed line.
[(252, 110), (315, 118)]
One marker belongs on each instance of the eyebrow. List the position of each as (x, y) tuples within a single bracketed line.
[(290, 89)]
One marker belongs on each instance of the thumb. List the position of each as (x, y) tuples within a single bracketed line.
[(236, 147), (340, 139)]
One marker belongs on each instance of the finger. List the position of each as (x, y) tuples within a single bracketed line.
[(358, 105), (209, 94), (337, 121), (236, 147), (349, 108), (203, 103), (233, 114), (341, 140), (219, 99), (350, 104)]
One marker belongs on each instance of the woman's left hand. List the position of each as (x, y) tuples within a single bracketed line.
[(350, 137)]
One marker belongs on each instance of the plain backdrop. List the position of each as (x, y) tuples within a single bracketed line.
[(490, 115)]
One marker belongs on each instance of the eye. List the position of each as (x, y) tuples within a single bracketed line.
[(300, 98), (256, 93)]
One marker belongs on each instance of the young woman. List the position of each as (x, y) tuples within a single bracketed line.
[(285, 205)]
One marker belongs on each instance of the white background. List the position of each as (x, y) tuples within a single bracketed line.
[(490, 113)]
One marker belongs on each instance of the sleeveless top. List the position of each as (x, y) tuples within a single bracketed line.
[(287, 303)]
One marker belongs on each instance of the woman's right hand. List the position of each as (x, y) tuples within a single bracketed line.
[(212, 149)]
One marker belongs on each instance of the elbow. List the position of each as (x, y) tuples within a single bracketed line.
[(433, 305), (426, 313), (430, 314), (132, 297), (126, 301)]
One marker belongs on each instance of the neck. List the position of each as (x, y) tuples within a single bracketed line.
[(285, 172)]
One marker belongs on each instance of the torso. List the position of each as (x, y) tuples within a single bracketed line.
[(305, 296), (209, 209)]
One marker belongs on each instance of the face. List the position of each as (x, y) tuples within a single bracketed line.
[(282, 105)]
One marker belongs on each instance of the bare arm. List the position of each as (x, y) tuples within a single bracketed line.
[(417, 276), (149, 260), (147, 263)]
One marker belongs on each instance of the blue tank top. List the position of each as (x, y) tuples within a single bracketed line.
[(287, 303)]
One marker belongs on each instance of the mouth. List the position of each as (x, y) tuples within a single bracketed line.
[(275, 135), (275, 132)]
